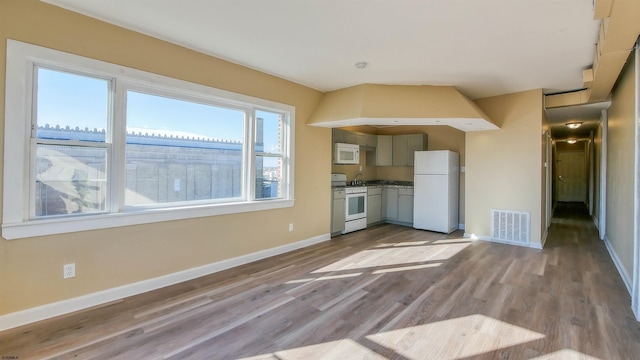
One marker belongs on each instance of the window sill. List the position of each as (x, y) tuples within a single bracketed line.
[(12, 231)]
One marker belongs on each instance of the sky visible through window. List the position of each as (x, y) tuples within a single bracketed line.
[(72, 100)]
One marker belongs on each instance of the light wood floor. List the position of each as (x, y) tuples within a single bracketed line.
[(388, 292)]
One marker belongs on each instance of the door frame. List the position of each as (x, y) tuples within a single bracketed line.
[(635, 286), (549, 178), (602, 218)]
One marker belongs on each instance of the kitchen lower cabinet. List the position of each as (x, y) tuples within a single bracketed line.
[(405, 206), (391, 195), (398, 202), (338, 213), (374, 205)]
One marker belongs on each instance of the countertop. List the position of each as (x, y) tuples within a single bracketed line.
[(371, 183)]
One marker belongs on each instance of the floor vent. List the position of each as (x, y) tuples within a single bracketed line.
[(510, 227)]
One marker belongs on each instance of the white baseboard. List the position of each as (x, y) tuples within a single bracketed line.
[(47, 311), (488, 238), (477, 237), (626, 279), (543, 240)]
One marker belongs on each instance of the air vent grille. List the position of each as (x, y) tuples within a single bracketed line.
[(510, 227)]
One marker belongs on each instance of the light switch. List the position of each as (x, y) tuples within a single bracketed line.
[(176, 185)]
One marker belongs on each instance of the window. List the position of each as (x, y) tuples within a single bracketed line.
[(69, 173), (98, 145), (179, 150), (269, 155)]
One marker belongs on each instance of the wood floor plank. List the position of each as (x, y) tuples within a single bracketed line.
[(387, 292)]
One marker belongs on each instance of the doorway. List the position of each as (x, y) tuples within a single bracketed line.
[(571, 176)]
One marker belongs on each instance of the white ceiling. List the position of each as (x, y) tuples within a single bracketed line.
[(483, 47)]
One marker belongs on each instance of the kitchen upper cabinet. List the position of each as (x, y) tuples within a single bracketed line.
[(374, 205), (384, 150), (405, 146), (415, 142), (367, 140), (400, 150), (338, 213), (344, 136)]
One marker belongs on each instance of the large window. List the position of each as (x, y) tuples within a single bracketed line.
[(179, 150), (92, 145)]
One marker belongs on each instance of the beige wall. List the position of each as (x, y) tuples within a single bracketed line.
[(31, 269), (620, 165), (504, 166)]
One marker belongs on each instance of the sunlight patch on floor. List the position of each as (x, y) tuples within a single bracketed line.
[(454, 338), (395, 256), (566, 354), (406, 268), (321, 278), (407, 243), (339, 349)]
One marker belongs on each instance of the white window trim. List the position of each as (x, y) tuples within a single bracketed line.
[(15, 215)]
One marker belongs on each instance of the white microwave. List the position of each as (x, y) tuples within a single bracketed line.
[(346, 153)]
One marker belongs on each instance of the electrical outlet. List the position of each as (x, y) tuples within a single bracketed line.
[(69, 270), (291, 227)]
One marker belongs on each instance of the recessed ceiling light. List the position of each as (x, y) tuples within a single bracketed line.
[(571, 141), (361, 65), (573, 125)]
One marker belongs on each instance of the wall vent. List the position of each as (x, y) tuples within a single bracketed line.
[(510, 227)]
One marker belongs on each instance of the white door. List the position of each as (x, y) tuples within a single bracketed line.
[(571, 179), (430, 202)]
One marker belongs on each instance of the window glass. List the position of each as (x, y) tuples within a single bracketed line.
[(71, 106), (268, 177), (268, 147), (269, 134), (178, 150), (70, 180)]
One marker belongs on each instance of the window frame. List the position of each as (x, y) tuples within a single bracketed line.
[(256, 154), (17, 222), (35, 141)]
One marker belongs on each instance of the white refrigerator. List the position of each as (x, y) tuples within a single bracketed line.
[(435, 189)]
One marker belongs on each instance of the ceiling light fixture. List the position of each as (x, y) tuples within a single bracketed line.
[(571, 141), (361, 65), (573, 125)]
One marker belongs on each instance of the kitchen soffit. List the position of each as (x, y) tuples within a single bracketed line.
[(379, 105)]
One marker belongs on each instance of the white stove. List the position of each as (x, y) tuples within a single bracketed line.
[(355, 203), (355, 189)]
